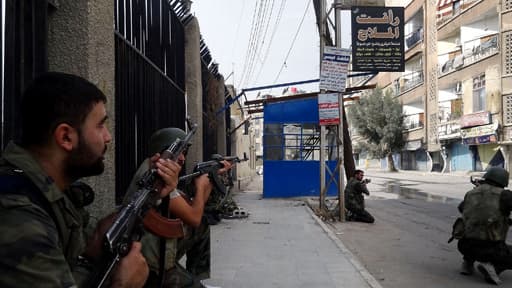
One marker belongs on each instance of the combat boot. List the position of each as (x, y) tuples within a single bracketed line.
[(467, 268), (487, 269)]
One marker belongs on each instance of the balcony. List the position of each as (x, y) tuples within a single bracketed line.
[(413, 38), (408, 81), (474, 51), (414, 121), (479, 48), (454, 62)]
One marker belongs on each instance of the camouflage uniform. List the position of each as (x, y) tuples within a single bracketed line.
[(37, 248), (354, 201), (485, 211), (195, 244)]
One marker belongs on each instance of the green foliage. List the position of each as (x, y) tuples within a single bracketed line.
[(379, 120)]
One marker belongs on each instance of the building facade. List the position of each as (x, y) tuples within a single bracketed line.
[(456, 90)]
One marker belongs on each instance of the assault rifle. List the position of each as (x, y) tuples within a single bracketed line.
[(140, 211), (211, 168), (476, 180)]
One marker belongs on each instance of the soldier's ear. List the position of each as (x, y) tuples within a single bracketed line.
[(66, 136)]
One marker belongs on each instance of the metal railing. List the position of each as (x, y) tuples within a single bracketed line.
[(413, 38), (149, 79), (413, 121), (479, 48), (25, 31), (408, 81)]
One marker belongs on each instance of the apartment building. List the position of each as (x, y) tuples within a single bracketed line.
[(456, 90)]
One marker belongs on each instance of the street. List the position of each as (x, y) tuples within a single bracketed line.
[(407, 246)]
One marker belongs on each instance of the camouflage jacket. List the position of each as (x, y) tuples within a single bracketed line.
[(38, 249), (354, 199), (151, 242)]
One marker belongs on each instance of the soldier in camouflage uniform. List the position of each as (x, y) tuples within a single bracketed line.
[(354, 199), (64, 138), (196, 243), (484, 225)]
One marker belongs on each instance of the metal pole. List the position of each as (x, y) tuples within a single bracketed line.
[(341, 170), (322, 127)]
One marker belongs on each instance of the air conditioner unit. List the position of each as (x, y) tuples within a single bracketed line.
[(457, 42), (458, 88)]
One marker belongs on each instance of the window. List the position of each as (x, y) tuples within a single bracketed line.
[(292, 141), (479, 93)]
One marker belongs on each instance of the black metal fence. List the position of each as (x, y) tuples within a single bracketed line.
[(150, 74), (23, 56)]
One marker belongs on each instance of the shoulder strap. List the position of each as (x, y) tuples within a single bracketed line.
[(15, 182)]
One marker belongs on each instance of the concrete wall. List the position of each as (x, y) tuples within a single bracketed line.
[(81, 41)]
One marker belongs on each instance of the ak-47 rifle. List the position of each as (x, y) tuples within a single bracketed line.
[(211, 168), (140, 211)]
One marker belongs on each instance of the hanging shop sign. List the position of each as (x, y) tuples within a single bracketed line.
[(333, 71), (328, 109), (475, 119), (412, 145), (480, 134), (378, 38)]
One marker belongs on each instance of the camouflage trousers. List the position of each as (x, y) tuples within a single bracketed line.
[(196, 246)]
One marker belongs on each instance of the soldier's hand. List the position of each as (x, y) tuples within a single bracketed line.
[(169, 172), (203, 185), (227, 166), (132, 271)]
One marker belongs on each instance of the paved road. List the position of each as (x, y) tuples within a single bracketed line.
[(407, 246), (281, 244)]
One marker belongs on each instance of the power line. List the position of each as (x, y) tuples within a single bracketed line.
[(293, 42), (276, 25)]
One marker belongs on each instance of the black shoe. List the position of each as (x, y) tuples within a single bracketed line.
[(487, 269)]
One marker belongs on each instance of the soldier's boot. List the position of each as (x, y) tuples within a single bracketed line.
[(490, 275), (467, 268)]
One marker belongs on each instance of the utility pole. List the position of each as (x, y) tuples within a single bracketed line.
[(341, 170), (323, 190)]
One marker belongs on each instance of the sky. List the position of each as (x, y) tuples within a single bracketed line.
[(285, 51)]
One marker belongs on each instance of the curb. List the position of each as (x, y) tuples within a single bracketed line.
[(372, 282)]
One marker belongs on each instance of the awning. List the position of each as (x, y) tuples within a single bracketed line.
[(441, 3)]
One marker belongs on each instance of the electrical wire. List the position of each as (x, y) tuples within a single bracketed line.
[(293, 42)]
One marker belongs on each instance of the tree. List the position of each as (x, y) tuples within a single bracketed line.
[(378, 119)]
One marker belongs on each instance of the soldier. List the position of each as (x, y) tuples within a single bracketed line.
[(354, 199), (482, 230), (64, 138), (196, 243)]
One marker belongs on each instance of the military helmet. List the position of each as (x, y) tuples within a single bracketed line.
[(497, 175), (162, 138)]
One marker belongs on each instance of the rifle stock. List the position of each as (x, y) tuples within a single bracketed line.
[(161, 226)]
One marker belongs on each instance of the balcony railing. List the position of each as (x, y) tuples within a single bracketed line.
[(456, 61), (412, 38), (408, 81), (474, 50), (477, 49), (413, 121)]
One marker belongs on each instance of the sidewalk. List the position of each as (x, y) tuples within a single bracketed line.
[(281, 244)]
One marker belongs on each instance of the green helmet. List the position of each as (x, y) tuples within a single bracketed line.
[(162, 138), (497, 175)]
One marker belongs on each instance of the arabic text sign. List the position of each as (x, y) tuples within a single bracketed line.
[(328, 109), (333, 71), (377, 38)]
